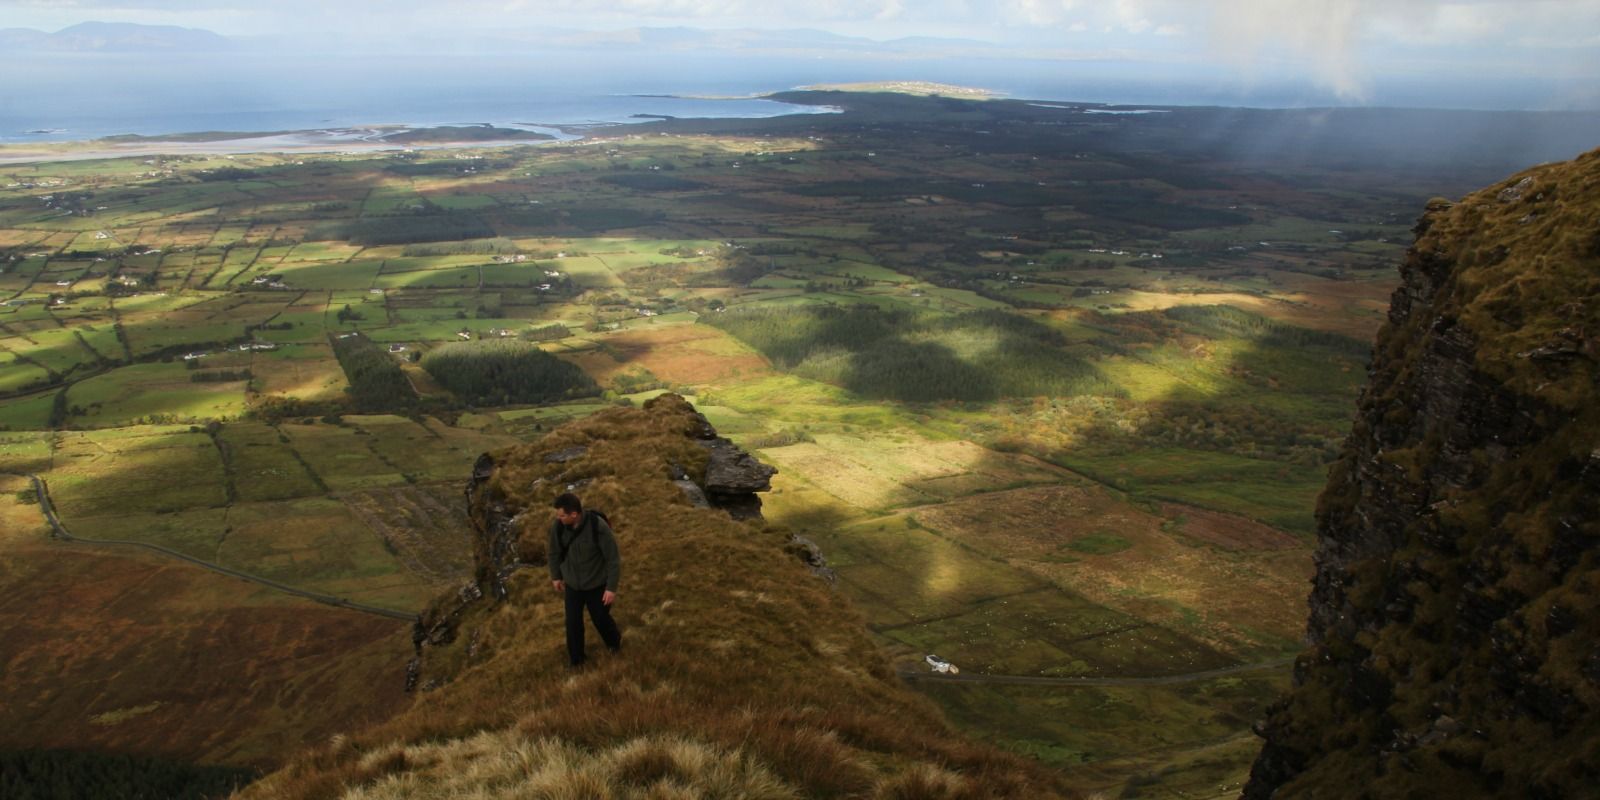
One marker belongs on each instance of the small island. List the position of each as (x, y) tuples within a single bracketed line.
[(918, 88)]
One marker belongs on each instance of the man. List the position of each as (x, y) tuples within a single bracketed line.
[(585, 567)]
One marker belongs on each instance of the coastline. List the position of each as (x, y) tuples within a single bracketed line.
[(352, 139), (372, 139)]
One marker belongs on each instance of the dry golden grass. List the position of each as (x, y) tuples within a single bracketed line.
[(742, 675), (504, 764)]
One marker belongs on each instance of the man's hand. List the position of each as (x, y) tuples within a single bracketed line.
[(608, 598), (559, 584)]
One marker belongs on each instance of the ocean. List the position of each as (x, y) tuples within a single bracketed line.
[(69, 97), (75, 96)]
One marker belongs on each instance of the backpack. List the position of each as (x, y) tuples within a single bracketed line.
[(594, 538)]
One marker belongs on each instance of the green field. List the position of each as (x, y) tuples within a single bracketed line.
[(1060, 410)]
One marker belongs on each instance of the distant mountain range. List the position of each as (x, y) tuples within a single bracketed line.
[(116, 37)]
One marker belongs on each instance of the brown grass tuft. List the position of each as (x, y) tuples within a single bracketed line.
[(813, 759), (646, 761), (925, 782)]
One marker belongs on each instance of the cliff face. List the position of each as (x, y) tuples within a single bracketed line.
[(1455, 614), (742, 673)]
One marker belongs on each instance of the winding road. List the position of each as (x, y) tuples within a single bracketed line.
[(59, 531), (1040, 680)]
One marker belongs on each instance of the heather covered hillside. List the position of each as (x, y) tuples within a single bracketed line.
[(743, 674)]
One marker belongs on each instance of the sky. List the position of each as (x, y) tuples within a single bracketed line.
[(1343, 46)]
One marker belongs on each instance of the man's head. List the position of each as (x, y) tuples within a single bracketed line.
[(569, 509)]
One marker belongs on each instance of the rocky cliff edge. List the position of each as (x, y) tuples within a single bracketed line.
[(1455, 613)]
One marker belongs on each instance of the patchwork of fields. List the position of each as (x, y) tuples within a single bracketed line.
[(1051, 408)]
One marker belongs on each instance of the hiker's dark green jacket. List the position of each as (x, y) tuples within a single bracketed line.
[(585, 557)]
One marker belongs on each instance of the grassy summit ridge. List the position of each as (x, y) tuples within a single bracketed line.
[(742, 674)]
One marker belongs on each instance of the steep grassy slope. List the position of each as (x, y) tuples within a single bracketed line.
[(114, 650), (1455, 639), (742, 675)]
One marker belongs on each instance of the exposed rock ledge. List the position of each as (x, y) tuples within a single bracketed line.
[(610, 460)]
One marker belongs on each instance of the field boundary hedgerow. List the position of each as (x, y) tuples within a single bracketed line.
[(59, 531)]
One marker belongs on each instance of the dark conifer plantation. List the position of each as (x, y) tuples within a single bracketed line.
[(376, 381), (505, 371)]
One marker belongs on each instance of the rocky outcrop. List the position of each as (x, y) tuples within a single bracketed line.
[(728, 479), (1454, 639), (808, 552), (510, 491), (733, 477)]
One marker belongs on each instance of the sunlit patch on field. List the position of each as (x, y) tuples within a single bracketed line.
[(153, 392), (307, 371), (855, 483), (678, 355), (25, 451), (20, 517), (876, 472), (124, 471), (1235, 584)]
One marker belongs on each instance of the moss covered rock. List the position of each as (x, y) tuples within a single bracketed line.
[(1455, 639)]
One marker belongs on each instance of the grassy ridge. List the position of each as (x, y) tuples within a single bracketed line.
[(742, 674)]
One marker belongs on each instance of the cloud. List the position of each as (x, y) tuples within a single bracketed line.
[(1339, 44), (1324, 37)]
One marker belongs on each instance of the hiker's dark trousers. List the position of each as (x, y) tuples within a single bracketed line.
[(577, 601)]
